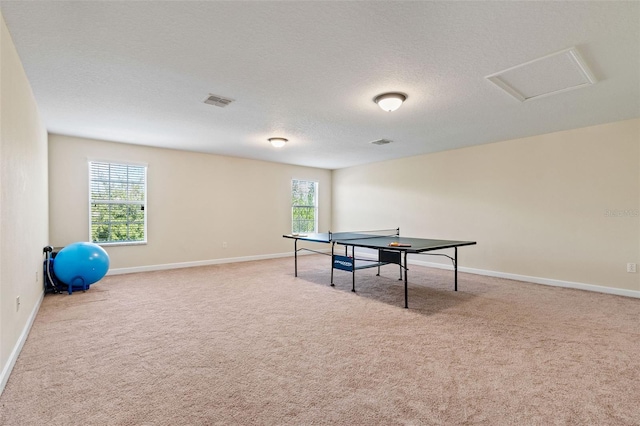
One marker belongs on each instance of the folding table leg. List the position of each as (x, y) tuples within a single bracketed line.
[(406, 295), (332, 254), (455, 269), (295, 255), (353, 269)]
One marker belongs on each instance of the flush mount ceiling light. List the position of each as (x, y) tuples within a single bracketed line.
[(278, 142), (390, 101)]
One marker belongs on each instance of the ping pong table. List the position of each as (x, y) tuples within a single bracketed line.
[(391, 249)]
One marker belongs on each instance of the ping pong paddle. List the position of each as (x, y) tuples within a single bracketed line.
[(397, 244)]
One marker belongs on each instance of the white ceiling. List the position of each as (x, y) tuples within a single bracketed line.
[(138, 72)]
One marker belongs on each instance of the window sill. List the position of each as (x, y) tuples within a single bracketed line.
[(123, 243)]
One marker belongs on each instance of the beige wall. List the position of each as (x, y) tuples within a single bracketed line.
[(23, 203), (536, 206), (195, 202)]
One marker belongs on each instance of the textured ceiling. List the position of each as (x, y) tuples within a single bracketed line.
[(138, 72)]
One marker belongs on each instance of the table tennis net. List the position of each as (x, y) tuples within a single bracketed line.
[(358, 235)]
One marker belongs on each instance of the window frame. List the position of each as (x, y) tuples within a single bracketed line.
[(315, 206), (144, 166)]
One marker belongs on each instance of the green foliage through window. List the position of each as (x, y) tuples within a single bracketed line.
[(304, 206), (117, 202)]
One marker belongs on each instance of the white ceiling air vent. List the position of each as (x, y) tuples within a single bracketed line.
[(551, 74), (381, 142), (218, 101)]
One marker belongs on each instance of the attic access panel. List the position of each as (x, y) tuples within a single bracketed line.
[(549, 75)]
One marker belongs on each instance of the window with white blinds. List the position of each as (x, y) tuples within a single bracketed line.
[(117, 203)]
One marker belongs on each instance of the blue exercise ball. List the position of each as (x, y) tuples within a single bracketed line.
[(81, 264)]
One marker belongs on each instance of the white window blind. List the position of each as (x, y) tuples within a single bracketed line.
[(117, 198)]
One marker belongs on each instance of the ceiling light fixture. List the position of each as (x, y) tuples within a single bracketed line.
[(390, 101), (278, 142)]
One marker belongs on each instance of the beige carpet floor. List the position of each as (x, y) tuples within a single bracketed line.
[(248, 343)]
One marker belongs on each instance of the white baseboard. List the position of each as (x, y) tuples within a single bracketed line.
[(368, 254), (165, 266), (535, 280), (13, 357)]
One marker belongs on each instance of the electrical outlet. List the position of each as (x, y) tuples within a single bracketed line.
[(17, 303), (631, 267), (224, 245)]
